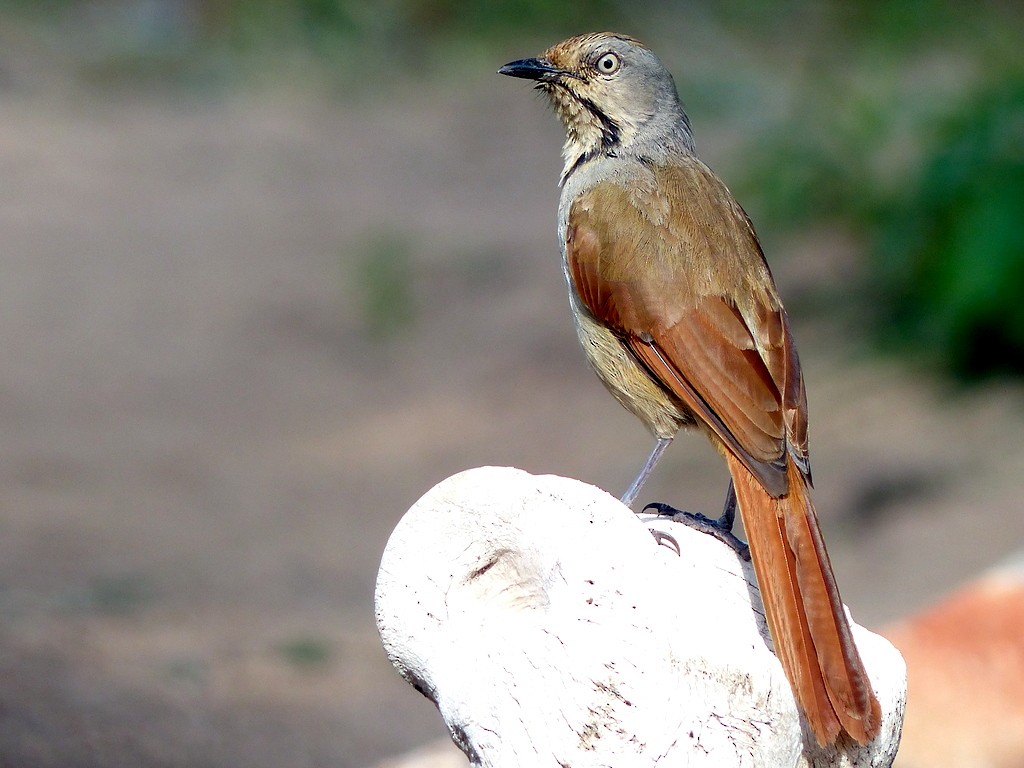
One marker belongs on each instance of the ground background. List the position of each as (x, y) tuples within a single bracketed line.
[(210, 428)]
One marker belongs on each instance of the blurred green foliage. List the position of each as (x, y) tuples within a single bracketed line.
[(897, 120), (306, 652), (118, 595), (314, 19), (365, 42), (948, 250), (382, 279), (347, 43), (911, 136)]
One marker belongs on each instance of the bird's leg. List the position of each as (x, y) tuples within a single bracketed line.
[(634, 490), (721, 528), (729, 510)]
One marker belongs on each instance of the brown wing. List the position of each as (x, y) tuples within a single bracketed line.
[(675, 267)]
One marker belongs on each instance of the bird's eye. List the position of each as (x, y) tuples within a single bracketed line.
[(608, 64)]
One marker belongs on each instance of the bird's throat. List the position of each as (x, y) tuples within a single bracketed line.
[(588, 130)]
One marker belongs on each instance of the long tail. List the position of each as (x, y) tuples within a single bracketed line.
[(809, 629)]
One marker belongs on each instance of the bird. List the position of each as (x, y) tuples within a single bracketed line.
[(679, 315)]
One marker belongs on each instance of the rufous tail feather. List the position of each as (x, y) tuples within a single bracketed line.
[(808, 624)]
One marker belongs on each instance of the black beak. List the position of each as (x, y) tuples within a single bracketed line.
[(532, 69)]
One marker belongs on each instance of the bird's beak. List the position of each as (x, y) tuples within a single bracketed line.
[(532, 69)]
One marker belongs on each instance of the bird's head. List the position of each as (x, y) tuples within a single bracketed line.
[(610, 91)]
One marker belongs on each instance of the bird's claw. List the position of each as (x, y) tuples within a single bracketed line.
[(721, 528), (667, 539)]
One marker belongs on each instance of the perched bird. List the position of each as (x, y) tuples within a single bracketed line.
[(678, 314)]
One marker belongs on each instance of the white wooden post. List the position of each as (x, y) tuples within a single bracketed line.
[(551, 629)]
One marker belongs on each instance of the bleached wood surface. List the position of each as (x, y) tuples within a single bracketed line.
[(550, 629)]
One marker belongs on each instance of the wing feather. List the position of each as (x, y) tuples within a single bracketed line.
[(674, 267)]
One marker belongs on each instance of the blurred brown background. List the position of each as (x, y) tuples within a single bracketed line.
[(270, 270)]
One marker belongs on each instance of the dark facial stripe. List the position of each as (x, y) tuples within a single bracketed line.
[(586, 157), (610, 131), (610, 137)]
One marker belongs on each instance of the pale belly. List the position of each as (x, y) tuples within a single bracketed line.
[(625, 378)]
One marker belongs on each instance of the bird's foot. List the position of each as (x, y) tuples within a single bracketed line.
[(720, 528)]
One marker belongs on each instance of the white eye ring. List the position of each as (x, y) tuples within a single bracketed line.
[(608, 64)]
